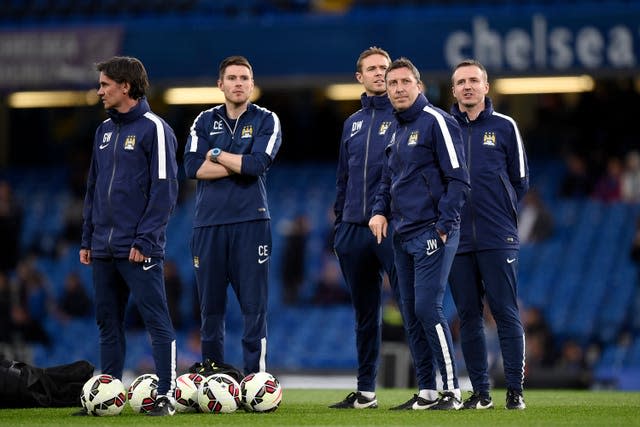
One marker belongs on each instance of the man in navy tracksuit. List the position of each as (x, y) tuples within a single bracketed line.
[(229, 150), (486, 265), (362, 260), (131, 192), (423, 190)]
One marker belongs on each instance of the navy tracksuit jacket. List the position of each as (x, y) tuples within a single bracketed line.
[(131, 191), (486, 264), (232, 233), (423, 190), (363, 262)]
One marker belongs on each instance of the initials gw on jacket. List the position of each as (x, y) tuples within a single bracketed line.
[(132, 185), (499, 173), (242, 197), (426, 181), (361, 159)]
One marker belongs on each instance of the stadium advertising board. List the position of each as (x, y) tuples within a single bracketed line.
[(51, 58)]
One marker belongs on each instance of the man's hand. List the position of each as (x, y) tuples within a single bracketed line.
[(378, 226), (85, 256), (443, 236), (135, 255)]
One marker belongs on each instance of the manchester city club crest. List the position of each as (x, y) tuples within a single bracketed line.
[(383, 128), (130, 142), (196, 262), (413, 138), (247, 132), (489, 139)]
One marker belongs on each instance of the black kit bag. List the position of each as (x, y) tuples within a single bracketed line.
[(26, 386)]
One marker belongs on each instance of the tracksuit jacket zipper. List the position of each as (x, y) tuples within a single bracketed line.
[(366, 163), (472, 211), (113, 174)]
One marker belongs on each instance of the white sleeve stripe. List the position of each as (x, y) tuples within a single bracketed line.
[(274, 135), (162, 145), (519, 143), (194, 136), (453, 157)]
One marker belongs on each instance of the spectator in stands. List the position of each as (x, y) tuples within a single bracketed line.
[(540, 346), (425, 156), (631, 178), (362, 260), (329, 288), (229, 151), (577, 181), (131, 192), (10, 227), (31, 305), (5, 309), (485, 267), (535, 221), (75, 301), (572, 359), (292, 264), (635, 249), (608, 187)]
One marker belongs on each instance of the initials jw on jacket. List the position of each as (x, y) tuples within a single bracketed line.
[(426, 181)]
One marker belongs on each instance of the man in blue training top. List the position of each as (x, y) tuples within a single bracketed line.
[(229, 150), (132, 189), (486, 264), (363, 261), (422, 191)]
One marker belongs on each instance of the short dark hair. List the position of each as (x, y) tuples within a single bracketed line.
[(403, 62), (233, 60), (373, 50), (471, 62), (127, 69)]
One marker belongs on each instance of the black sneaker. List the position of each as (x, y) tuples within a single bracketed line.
[(357, 401), (478, 401), (415, 403), (515, 400), (447, 401), (80, 413), (162, 407)]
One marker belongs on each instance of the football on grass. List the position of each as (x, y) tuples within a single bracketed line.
[(104, 395), (261, 392), (142, 393), (186, 392), (219, 393)]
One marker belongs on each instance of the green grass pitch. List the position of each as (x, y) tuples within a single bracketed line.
[(302, 407)]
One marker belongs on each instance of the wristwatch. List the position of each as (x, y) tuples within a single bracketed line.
[(213, 154)]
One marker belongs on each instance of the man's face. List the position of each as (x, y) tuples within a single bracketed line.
[(371, 75), (113, 94), (236, 84), (469, 86), (403, 88)]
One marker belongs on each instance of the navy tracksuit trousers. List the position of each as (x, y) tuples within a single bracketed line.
[(238, 254), (423, 263), (491, 274), (114, 280), (363, 262)]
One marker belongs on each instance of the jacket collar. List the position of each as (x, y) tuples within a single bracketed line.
[(222, 110), (379, 102), (462, 116), (412, 113), (135, 113)]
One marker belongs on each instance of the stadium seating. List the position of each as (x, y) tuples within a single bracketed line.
[(582, 277)]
